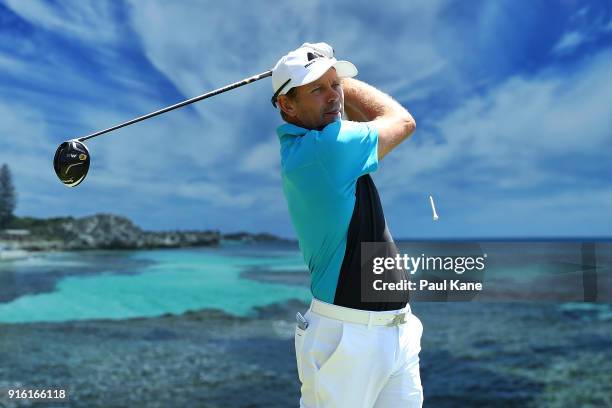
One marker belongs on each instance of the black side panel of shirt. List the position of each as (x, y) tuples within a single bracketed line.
[(367, 225)]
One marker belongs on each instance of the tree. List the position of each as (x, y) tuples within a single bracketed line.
[(8, 196)]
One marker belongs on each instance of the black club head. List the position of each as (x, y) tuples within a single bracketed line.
[(71, 162)]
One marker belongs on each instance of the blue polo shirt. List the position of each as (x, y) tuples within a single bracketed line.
[(319, 172)]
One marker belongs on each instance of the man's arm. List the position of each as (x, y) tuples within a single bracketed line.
[(364, 103)]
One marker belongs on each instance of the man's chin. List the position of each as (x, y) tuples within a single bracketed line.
[(332, 117), (329, 118)]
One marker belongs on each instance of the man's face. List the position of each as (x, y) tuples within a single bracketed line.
[(316, 104)]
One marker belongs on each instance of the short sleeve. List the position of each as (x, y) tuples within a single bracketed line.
[(348, 150)]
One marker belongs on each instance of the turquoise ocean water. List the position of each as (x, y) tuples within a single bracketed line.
[(156, 282), (86, 285), (533, 342)]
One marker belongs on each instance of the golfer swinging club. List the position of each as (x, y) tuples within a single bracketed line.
[(350, 353)]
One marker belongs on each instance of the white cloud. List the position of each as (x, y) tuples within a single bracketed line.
[(8, 64), (215, 194), (499, 139), (177, 43), (198, 56), (26, 149), (570, 41), (582, 12), (565, 213), (194, 156), (588, 32), (263, 159), (23, 131), (86, 21)]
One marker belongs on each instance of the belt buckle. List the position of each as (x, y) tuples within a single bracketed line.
[(398, 319)]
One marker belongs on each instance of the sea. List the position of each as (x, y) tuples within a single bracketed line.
[(85, 285), (539, 333)]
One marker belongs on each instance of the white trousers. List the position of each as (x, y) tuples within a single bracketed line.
[(342, 364)]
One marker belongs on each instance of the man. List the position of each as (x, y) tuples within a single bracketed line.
[(351, 351)]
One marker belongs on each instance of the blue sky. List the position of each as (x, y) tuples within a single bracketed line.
[(512, 101)]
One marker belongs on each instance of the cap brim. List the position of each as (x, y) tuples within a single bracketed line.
[(344, 69)]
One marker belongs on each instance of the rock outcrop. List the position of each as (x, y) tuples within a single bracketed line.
[(107, 231)]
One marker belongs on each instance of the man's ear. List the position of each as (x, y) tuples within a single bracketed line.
[(286, 105)]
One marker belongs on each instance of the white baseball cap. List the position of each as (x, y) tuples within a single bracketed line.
[(305, 65)]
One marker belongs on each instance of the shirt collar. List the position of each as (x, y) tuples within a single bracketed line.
[(289, 129), (288, 132)]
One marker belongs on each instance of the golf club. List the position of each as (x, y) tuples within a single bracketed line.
[(72, 158)]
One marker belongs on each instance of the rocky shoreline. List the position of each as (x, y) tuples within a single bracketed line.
[(528, 355), (202, 358), (109, 231)]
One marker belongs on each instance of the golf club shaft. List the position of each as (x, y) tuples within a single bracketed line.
[(181, 104)]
